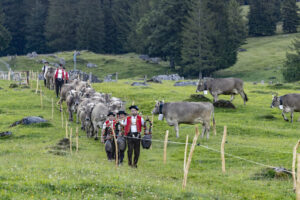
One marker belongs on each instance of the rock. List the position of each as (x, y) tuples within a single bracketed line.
[(144, 57), (1, 88), (108, 78), (29, 120), (13, 85), (32, 55), (44, 61), (254, 83), (155, 60), (155, 80), (139, 84), (7, 133), (223, 104), (171, 77), (73, 74), (186, 83), (262, 82), (91, 65), (242, 50), (62, 61)]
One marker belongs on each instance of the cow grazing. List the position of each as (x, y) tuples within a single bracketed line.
[(288, 103), (226, 86), (177, 113)]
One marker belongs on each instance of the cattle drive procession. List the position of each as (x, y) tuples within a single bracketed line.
[(149, 99)]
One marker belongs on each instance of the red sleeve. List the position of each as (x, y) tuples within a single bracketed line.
[(56, 73)]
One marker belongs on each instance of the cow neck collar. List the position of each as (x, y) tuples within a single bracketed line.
[(161, 105)]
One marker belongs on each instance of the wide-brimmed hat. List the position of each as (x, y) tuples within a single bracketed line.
[(111, 113), (121, 112), (133, 107)]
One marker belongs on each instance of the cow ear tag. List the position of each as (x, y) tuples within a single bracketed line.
[(280, 107), (205, 92), (160, 117)]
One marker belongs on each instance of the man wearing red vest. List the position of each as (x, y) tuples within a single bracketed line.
[(66, 75), (107, 136), (133, 128), (59, 79)]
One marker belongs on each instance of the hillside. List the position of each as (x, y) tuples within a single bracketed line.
[(127, 65), (255, 132), (262, 59)]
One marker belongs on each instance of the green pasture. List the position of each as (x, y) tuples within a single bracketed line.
[(255, 132)]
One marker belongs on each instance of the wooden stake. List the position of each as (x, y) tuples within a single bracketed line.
[(294, 164), (71, 140), (41, 94), (298, 179), (67, 129), (222, 149), (186, 171), (185, 151), (62, 116), (52, 109), (8, 75), (116, 144), (77, 144), (165, 146), (37, 85)]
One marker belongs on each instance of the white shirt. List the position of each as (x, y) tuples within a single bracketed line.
[(46, 69), (133, 127), (60, 73)]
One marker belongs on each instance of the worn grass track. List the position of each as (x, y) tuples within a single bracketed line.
[(28, 171)]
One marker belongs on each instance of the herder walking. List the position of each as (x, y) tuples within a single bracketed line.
[(120, 133), (133, 128), (44, 70), (108, 137), (59, 79)]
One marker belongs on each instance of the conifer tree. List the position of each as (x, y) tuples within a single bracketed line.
[(290, 17)]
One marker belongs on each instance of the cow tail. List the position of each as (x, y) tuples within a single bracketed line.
[(246, 97), (214, 124)]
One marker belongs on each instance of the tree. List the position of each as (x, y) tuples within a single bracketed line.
[(5, 36), (61, 25), (289, 16), (14, 21), (35, 25), (291, 70), (90, 30), (262, 17), (213, 33), (163, 28)]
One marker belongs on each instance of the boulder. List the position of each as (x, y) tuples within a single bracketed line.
[(62, 61), (73, 74), (108, 78), (7, 133), (171, 77), (29, 120), (223, 104), (139, 84), (186, 83), (32, 55), (144, 57), (91, 65)]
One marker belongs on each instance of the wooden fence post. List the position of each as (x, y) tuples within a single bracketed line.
[(186, 170), (165, 146), (71, 141), (222, 149), (66, 128), (298, 179), (41, 94), (37, 85), (52, 109), (185, 152), (62, 115), (294, 164), (77, 144), (116, 144)]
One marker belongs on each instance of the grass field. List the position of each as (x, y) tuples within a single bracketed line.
[(255, 132)]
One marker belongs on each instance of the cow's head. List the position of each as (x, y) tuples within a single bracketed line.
[(275, 101), (75, 98), (158, 107), (88, 112), (201, 85)]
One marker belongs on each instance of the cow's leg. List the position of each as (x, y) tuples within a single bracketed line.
[(292, 116), (284, 117), (206, 127), (176, 129), (203, 131), (243, 96), (70, 115), (77, 117), (232, 98), (215, 97)]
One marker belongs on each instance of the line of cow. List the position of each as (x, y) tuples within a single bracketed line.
[(92, 107)]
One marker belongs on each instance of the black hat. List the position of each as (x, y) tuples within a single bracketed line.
[(111, 113), (121, 112), (133, 107)]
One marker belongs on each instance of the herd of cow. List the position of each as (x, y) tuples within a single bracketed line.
[(92, 107)]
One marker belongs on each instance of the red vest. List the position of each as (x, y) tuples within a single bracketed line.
[(63, 73), (108, 125), (138, 124)]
